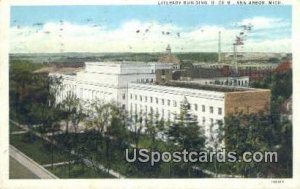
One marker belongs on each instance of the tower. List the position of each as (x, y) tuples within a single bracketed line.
[(219, 47), (168, 49)]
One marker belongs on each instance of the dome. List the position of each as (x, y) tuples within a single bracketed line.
[(169, 57)]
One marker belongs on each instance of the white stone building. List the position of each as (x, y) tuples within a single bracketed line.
[(133, 86), (108, 81), (210, 103)]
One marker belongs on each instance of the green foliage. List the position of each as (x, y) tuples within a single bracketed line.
[(259, 132), (185, 132), (281, 85), (198, 57), (29, 93)]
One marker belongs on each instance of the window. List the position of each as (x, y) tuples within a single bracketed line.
[(135, 108), (211, 109), (123, 106), (203, 108), (135, 97), (123, 96), (196, 107), (156, 99), (169, 114), (146, 98), (163, 72), (141, 98), (169, 102), (151, 99), (203, 120), (162, 102), (174, 103), (130, 96), (162, 113), (220, 111), (211, 121)]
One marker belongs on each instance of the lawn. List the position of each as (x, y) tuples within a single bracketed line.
[(78, 171), (37, 150), (13, 127)]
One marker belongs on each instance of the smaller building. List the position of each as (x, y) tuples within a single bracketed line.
[(169, 58)]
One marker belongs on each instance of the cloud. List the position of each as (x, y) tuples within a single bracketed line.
[(137, 36), (264, 22)]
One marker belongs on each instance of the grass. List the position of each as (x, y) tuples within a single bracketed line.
[(13, 128), (41, 153), (37, 150), (78, 171)]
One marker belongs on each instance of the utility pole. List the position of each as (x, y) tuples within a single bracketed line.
[(219, 47), (235, 59)]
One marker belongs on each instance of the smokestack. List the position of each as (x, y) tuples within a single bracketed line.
[(219, 48)]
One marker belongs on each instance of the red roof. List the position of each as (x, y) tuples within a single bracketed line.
[(283, 67)]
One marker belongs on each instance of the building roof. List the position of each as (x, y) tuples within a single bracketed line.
[(169, 57), (217, 88), (283, 67), (205, 73)]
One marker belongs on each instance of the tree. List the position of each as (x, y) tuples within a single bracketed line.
[(106, 120), (258, 132), (72, 112), (185, 132), (70, 105)]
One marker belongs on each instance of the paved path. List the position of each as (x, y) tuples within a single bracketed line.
[(88, 162), (58, 164), (18, 132), (115, 173), (32, 168), (18, 171)]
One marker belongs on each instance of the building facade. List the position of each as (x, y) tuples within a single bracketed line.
[(107, 81), (209, 105), (134, 87)]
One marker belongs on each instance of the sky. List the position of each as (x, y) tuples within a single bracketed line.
[(148, 28)]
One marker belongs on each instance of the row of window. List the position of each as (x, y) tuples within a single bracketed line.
[(174, 103), (156, 112), (238, 82), (150, 80), (211, 120)]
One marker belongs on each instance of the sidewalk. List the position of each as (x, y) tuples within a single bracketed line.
[(87, 162), (32, 168)]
